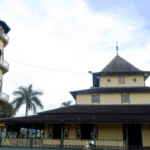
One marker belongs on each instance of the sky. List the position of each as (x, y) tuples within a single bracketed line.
[(61, 40)]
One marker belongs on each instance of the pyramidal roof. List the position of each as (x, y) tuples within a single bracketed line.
[(118, 64)]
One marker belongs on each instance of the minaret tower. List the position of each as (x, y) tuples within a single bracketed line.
[(4, 66)]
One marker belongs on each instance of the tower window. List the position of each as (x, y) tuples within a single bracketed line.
[(108, 80), (95, 98), (121, 80), (134, 79), (125, 98)]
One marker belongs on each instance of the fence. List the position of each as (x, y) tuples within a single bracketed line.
[(56, 143)]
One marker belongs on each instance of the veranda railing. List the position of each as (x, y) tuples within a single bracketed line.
[(4, 37), (4, 63), (56, 143)]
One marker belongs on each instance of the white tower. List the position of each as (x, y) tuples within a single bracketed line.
[(4, 66)]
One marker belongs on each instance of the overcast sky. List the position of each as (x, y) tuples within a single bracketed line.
[(71, 37)]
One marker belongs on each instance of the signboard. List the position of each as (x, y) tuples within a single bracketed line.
[(2, 124)]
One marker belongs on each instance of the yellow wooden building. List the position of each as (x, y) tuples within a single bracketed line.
[(114, 113)]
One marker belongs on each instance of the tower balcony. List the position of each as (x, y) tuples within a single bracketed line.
[(4, 97), (4, 66), (4, 37)]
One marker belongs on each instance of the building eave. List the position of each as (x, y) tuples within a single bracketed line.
[(111, 90), (5, 26)]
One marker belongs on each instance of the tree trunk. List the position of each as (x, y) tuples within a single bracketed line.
[(26, 111)]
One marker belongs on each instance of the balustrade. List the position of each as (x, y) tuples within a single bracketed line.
[(4, 37), (4, 65), (56, 143)]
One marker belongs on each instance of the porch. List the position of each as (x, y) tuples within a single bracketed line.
[(62, 136), (74, 136)]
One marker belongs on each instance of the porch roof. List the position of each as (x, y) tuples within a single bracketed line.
[(100, 118), (89, 114), (100, 109)]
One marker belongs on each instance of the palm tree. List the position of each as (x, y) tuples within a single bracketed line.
[(26, 95), (65, 104)]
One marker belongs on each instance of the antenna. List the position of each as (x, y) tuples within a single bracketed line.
[(117, 47)]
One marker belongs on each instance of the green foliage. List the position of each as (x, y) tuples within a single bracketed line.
[(6, 110), (29, 97), (65, 104)]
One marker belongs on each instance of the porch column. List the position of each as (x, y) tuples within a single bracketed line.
[(62, 136), (28, 133), (93, 134), (1, 136), (31, 138), (127, 138)]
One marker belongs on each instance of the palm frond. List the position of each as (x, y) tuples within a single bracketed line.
[(15, 100), (36, 93), (19, 102), (34, 108), (29, 106), (20, 93), (65, 104), (37, 101), (22, 89), (69, 103), (29, 91)]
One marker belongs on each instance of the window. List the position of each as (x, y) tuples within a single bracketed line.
[(108, 80), (121, 80), (134, 79), (95, 98), (125, 98)]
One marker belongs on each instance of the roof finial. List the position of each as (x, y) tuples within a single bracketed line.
[(117, 47)]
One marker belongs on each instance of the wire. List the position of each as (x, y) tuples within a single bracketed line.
[(45, 68)]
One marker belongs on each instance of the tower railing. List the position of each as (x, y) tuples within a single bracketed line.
[(4, 63), (4, 37), (4, 97)]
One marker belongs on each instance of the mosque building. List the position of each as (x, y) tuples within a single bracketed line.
[(114, 113)]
